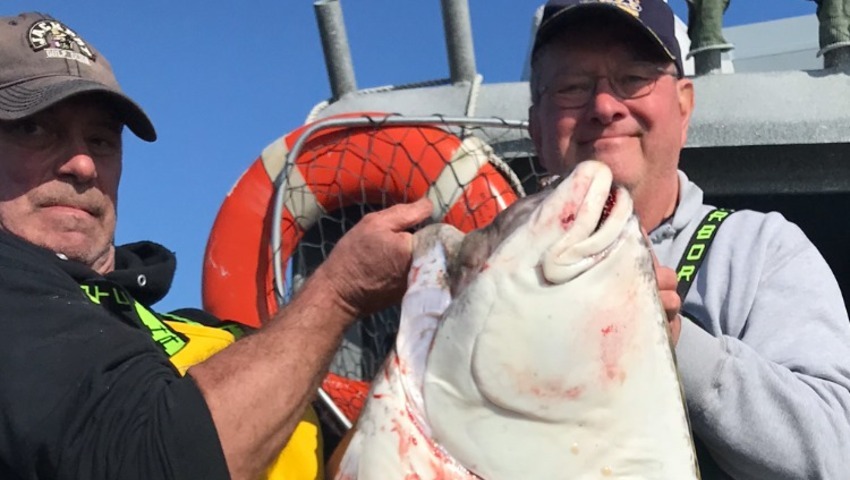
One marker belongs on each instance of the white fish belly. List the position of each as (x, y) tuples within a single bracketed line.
[(570, 381)]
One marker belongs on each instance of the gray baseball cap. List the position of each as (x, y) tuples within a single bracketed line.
[(43, 62)]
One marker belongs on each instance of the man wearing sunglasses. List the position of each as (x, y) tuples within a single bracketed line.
[(762, 334)]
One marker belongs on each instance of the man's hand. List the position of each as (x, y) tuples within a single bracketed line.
[(257, 388), (368, 266), (669, 298), (667, 283)]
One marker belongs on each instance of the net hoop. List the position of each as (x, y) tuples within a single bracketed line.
[(336, 167)]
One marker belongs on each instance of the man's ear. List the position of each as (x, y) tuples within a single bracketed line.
[(685, 90)]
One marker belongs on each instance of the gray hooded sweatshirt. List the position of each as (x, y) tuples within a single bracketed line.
[(764, 352)]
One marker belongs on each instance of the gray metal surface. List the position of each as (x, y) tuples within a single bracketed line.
[(458, 31), (505, 100), (759, 108), (776, 45), (771, 108), (335, 47)]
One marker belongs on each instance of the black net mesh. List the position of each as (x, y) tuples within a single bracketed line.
[(471, 172)]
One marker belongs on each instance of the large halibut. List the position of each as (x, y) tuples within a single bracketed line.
[(535, 348)]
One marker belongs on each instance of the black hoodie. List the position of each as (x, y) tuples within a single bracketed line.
[(85, 392)]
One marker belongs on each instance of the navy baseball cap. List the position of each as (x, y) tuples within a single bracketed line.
[(654, 17), (45, 62)]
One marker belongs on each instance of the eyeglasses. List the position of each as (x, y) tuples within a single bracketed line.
[(629, 81)]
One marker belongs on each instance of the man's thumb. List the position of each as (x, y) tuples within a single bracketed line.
[(405, 215)]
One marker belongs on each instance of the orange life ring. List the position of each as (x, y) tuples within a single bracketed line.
[(391, 163)]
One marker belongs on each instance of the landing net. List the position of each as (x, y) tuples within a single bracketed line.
[(344, 168)]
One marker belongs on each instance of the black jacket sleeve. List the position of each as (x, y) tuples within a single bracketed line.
[(84, 395)]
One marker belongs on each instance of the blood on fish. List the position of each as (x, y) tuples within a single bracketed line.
[(404, 439), (414, 274), (612, 344), (567, 220), (574, 392), (615, 339), (554, 391)]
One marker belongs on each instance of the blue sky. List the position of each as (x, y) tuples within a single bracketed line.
[(222, 81)]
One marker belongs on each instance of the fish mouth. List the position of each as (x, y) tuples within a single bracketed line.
[(549, 182), (610, 202), (599, 223), (611, 228), (613, 218)]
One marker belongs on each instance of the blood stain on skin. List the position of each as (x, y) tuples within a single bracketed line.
[(414, 274), (611, 352), (567, 220)]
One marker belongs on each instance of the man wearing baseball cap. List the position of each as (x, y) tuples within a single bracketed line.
[(45, 62), (93, 383), (761, 332)]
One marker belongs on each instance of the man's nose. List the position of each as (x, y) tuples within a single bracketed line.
[(605, 106), (78, 163)]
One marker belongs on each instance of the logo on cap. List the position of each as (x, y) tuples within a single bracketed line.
[(631, 6), (59, 41)]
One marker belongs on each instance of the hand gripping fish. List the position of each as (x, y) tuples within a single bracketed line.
[(535, 348)]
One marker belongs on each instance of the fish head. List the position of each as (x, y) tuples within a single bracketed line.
[(564, 230), (555, 335)]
